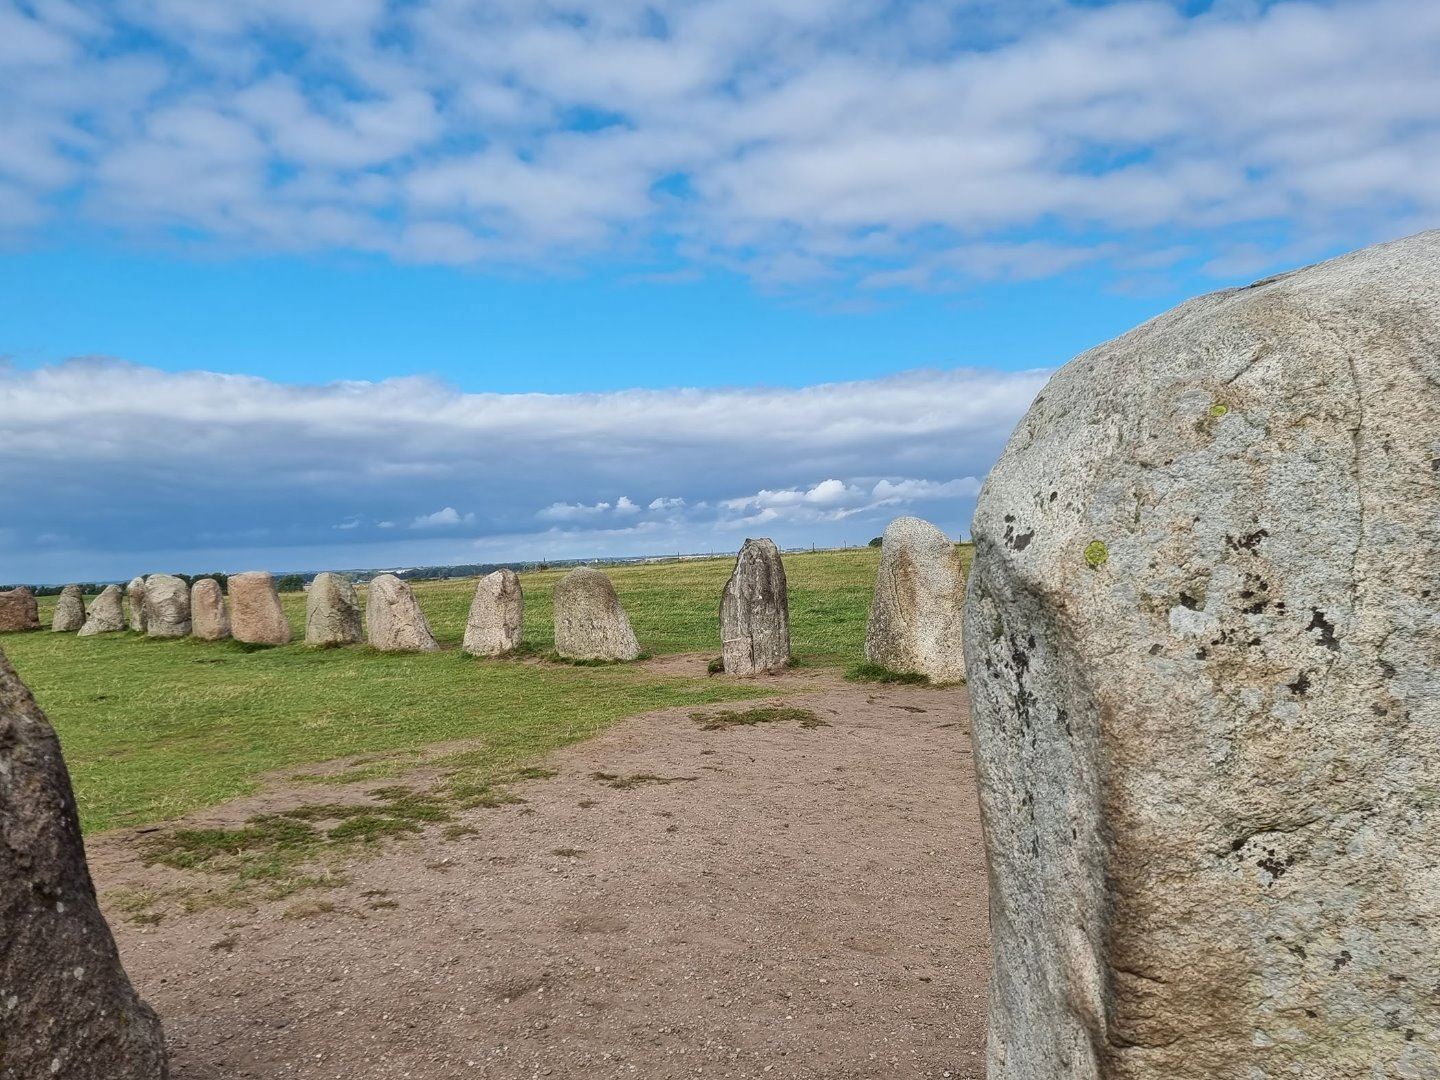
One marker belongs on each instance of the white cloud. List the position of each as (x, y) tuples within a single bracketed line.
[(666, 504), (442, 519), (909, 490)]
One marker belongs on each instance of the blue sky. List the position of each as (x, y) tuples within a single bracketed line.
[(287, 238)]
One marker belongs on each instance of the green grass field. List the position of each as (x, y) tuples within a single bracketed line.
[(152, 729)]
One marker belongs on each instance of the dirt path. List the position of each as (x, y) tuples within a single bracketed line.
[(804, 903)]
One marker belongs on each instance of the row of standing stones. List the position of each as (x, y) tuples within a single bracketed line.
[(1202, 641)]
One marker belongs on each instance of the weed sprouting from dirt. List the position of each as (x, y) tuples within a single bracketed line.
[(763, 714), (716, 666), (868, 672), (634, 780)]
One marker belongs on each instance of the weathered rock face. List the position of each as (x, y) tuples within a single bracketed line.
[(1203, 644), (69, 610), (916, 614), (256, 616), (18, 611), (69, 1010), (107, 613), (755, 612), (394, 619), (493, 627), (590, 624), (209, 619), (167, 606), (332, 612), (135, 597)]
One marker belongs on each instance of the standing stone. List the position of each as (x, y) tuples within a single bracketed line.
[(135, 596), (1202, 638), (494, 625), (209, 620), (167, 606), (256, 616), (69, 1010), (915, 617), (18, 611), (394, 618), (107, 613), (590, 624), (69, 611), (755, 612), (332, 612)]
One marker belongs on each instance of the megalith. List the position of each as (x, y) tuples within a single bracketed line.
[(256, 616), (755, 612), (209, 619), (1202, 638), (107, 613), (69, 610), (67, 1008), (394, 619), (332, 612), (916, 613), (135, 597), (493, 626), (590, 624), (167, 606), (18, 610)]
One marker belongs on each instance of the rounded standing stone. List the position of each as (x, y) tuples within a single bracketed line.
[(167, 606), (332, 612), (69, 610), (916, 614), (18, 611), (590, 623), (107, 613), (393, 617), (135, 597), (755, 612), (68, 1008), (495, 623), (256, 615), (1202, 639), (209, 619)]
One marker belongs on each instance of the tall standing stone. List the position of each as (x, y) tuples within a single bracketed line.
[(67, 1008), (915, 616), (590, 624), (332, 612), (394, 619), (755, 612), (18, 611), (167, 606), (209, 619), (256, 616), (1203, 645), (497, 613), (135, 597), (69, 610), (107, 613)]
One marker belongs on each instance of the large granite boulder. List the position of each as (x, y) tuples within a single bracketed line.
[(394, 619), (107, 613), (755, 612), (256, 616), (1202, 638), (590, 624), (69, 610), (135, 597), (915, 616), (209, 618), (493, 626), (18, 610), (332, 612), (167, 606), (67, 1009)]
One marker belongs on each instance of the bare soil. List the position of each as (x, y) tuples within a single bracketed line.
[(782, 902)]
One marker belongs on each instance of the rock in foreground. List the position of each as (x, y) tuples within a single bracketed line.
[(209, 619), (916, 614), (107, 613), (18, 611), (167, 606), (256, 616), (497, 612), (68, 1009), (590, 624), (135, 597), (1203, 644), (755, 612), (69, 610), (394, 619), (332, 612)]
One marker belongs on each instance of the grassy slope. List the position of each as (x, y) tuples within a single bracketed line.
[(152, 729)]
